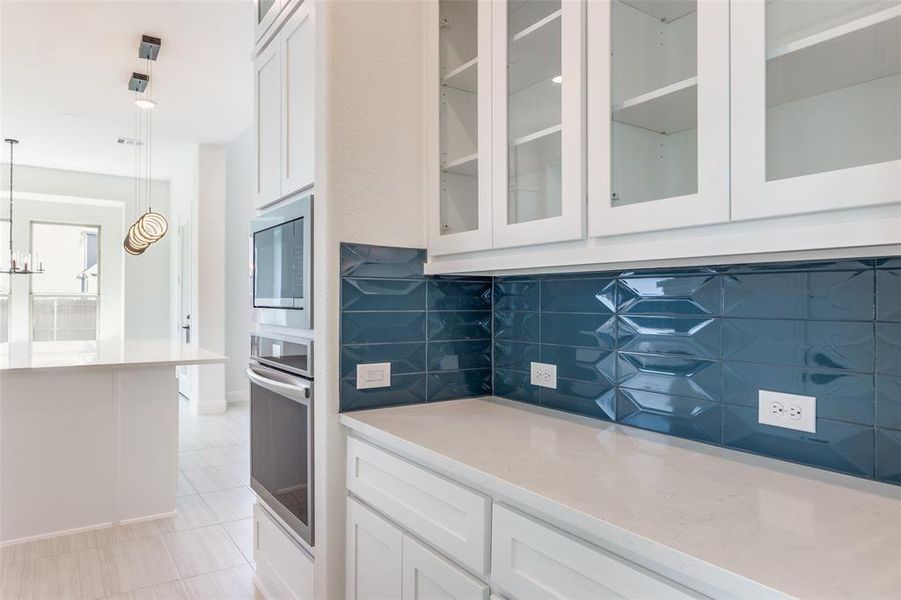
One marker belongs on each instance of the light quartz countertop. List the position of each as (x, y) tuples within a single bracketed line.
[(725, 522), (113, 353)]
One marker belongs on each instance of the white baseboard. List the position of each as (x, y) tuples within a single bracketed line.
[(237, 397), (99, 526), (164, 515)]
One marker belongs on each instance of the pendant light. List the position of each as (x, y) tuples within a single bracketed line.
[(19, 263)]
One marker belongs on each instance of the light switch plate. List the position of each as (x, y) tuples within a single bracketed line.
[(544, 375), (787, 410), (373, 375)]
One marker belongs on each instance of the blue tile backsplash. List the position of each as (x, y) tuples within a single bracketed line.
[(678, 351)]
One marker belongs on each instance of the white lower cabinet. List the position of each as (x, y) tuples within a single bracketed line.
[(374, 555), (284, 570), (428, 576)]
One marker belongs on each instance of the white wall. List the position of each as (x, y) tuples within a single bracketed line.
[(239, 196)]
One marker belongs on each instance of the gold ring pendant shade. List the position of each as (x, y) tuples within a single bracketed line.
[(148, 229)]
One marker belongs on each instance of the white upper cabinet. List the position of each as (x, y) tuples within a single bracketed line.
[(537, 121), (658, 114), (267, 120), (816, 105), (265, 14)]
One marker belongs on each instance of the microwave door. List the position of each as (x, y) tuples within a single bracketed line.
[(274, 267)]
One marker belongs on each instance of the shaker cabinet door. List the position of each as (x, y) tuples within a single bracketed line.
[(267, 119), (374, 555), (428, 576), (298, 97)]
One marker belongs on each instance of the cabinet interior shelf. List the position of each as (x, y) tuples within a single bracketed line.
[(669, 109), (536, 151), (535, 53), (862, 50), (664, 11), (464, 77), (466, 165)]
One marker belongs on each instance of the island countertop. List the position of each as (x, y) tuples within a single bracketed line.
[(701, 511), (24, 356)]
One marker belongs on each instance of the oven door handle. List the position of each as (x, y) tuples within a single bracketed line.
[(291, 387)]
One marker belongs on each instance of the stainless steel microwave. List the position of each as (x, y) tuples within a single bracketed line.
[(282, 259)]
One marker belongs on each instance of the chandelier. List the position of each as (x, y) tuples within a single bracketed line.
[(19, 263)]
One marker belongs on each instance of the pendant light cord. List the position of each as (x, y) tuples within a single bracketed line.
[(11, 144)]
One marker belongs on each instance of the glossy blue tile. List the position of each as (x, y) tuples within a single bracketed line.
[(517, 326), (584, 364), (820, 265), (404, 358), (888, 456), (456, 355), (888, 263), (888, 295), (361, 260), (841, 395), (667, 295), (836, 445), (888, 402), (671, 271), (447, 385), (585, 398), (888, 348), (515, 294), (382, 327), (680, 376), (687, 336), (824, 295), (462, 325), (515, 356), (574, 329), (405, 389), (515, 386), (579, 295), (817, 344), (459, 295), (676, 415), (382, 294)]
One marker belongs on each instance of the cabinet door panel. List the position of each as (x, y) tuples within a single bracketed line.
[(298, 53), (268, 119), (428, 576), (374, 555)]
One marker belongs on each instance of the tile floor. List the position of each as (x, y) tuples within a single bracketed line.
[(205, 552)]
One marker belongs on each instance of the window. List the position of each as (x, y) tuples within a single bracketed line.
[(64, 300), (4, 282)]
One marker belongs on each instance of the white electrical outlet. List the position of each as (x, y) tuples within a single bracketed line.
[(787, 410), (544, 375), (373, 375)]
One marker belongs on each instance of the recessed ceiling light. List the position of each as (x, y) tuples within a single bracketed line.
[(144, 103)]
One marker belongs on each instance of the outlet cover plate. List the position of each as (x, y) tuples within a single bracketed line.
[(373, 375), (544, 375), (789, 411)]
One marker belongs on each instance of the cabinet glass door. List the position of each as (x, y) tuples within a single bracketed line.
[(817, 105), (266, 11), (537, 119), (462, 219), (658, 114)]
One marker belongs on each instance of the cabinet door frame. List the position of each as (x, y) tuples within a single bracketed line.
[(753, 197), (570, 225), (479, 238), (291, 180), (451, 578), (261, 27), (711, 202), (359, 515), (268, 55)]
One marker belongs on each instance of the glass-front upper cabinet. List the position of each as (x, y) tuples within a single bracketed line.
[(460, 218), (265, 12), (816, 105), (658, 114), (537, 121)]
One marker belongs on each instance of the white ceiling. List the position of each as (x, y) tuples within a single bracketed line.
[(65, 66)]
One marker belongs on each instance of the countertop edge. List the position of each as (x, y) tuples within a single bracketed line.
[(119, 365)]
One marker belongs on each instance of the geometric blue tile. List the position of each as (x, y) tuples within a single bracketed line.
[(888, 263), (888, 348), (820, 265), (362, 260), (515, 356), (459, 325), (888, 456), (665, 295), (517, 326), (841, 395), (382, 294), (679, 376), (579, 329), (447, 385), (579, 295), (823, 344), (404, 358), (888, 401), (582, 397), (382, 327), (448, 294), (888, 295), (836, 445), (456, 355), (584, 364), (825, 295), (405, 389), (688, 336), (515, 386), (675, 415), (515, 294)]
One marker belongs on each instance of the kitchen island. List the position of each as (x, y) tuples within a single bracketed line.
[(88, 433)]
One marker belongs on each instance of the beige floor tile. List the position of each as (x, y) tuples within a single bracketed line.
[(125, 533), (173, 590), (211, 479), (192, 512), (241, 533), (48, 547), (233, 584), (74, 575), (203, 550), (183, 487), (136, 564), (230, 505), (12, 581)]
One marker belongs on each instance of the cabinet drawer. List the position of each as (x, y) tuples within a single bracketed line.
[(451, 517), (283, 568), (531, 560)]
